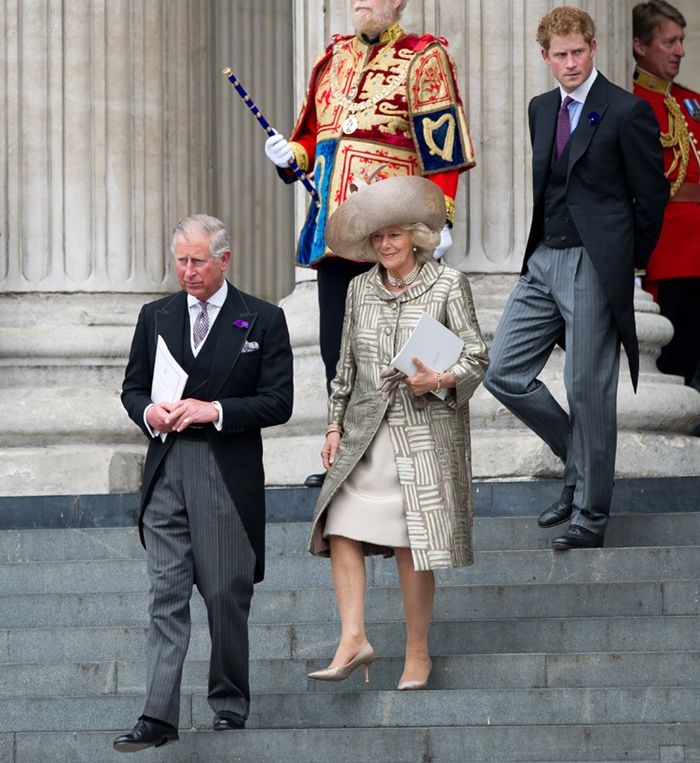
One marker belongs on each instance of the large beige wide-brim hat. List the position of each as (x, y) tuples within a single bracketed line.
[(395, 201)]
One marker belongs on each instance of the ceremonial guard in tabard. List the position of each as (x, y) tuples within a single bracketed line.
[(390, 108), (673, 272), (374, 109)]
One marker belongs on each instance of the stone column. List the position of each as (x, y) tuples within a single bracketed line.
[(108, 140), (690, 67), (256, 40), (500, 69)]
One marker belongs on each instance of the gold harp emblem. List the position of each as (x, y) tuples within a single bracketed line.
[(430, 127)]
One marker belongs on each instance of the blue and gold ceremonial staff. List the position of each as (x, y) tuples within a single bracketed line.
[(296, 169)]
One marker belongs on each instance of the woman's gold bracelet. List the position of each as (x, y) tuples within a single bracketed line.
[(438, 386), (335, 428)]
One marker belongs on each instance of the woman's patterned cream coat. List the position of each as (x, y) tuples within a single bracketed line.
[(430, 437)]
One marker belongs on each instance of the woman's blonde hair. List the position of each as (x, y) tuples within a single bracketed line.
[(423, 239)]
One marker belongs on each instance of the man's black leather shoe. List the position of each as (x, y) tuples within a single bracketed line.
[(228, 722), (314, 480), (577, 537), (559, 511), (145, 734)]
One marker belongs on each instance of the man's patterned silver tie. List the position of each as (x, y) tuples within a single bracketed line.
[(201, 325)]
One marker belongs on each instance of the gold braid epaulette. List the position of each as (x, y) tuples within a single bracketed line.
[(450, 207), (677, 137), (677, 140)]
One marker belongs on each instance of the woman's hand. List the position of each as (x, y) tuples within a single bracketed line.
[(330, 446), (424, 380)]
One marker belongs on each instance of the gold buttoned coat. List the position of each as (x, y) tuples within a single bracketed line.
[(430, 437)]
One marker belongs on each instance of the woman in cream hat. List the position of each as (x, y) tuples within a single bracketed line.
[(399, 479)]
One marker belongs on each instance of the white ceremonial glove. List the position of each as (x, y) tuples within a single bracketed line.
[(278, 150), (638, 281), (445, 242)]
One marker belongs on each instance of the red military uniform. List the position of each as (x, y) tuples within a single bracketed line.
[(677, 255), (378, 110), (673, 272)]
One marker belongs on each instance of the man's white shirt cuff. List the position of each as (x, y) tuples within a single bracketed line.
[(152, 432), (219, 423)]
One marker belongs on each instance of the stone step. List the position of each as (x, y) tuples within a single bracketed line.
[(491, 498), (492, 707), (458, 671), (603, 743), (318, 640), (304, 572), (377, 709), (544, 567), (678, 597), (490, 534)]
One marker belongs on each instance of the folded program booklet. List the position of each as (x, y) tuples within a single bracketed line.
[(433, 344), (169, 378)]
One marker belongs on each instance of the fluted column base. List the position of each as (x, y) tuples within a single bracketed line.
[(64, 429), (292, 451), (65, 433)]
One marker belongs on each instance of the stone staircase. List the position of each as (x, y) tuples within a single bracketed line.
[(578, 656)]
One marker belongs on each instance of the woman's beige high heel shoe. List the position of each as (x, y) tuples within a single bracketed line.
[(364, 657), (416, 685)]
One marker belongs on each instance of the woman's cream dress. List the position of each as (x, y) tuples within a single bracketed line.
[(369, 505)]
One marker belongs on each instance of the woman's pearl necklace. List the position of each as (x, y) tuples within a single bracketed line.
[(407, 280)]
